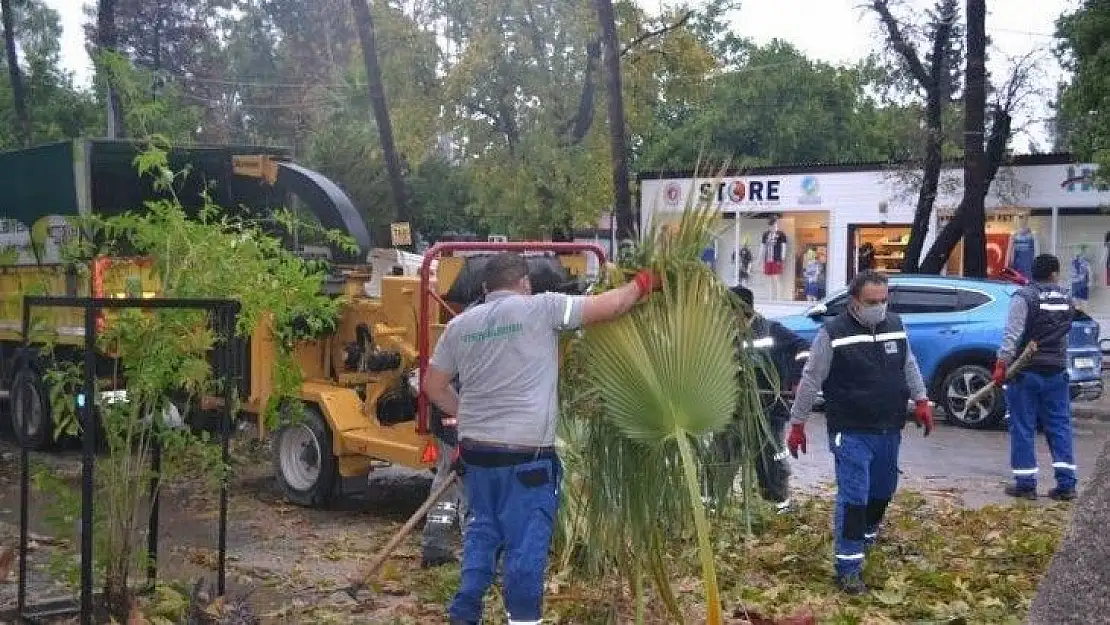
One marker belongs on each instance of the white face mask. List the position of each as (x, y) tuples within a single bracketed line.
[(871, 315)]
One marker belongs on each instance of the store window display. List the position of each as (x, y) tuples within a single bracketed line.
[(1022, 247), (1080, 274), (745, 258), (880, 247), (772, 253), (813, 276)]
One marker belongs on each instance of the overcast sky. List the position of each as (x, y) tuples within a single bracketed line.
[(832, 30)]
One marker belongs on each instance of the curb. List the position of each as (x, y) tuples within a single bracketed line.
[(1089, 412)]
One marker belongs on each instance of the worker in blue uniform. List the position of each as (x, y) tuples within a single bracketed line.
[(1038, 395), (861, 360)]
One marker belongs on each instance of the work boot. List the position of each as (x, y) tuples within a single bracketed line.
[(1021, 492), (851, 583), (1062, 494)]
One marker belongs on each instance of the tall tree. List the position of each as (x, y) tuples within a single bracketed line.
[(937, 81), (975, 102), (618, 143), (106, 41), (19, 95), (820, 113), (364, 22), (1084, 108)]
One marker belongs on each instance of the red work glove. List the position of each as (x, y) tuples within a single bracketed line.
[(999, 375), (796, 439), (923, 414), (647, 281)]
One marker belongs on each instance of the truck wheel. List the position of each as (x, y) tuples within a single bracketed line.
[(32, 422), (304, 464), (958, 385)]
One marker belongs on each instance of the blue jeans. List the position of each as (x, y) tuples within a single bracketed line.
[(513, 507), (1036, 398), (866, 478)]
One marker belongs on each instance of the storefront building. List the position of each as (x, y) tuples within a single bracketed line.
[(794, 234)]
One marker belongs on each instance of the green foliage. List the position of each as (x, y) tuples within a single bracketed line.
[(1084, 113), (162, 357), (651, 392), (777, 106), (58, 109)]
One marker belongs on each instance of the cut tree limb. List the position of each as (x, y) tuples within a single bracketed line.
[(368, 574), (1015, 367)]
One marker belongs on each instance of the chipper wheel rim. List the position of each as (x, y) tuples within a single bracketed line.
[(300, 457)]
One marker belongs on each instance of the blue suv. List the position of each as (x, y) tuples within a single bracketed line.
[(955, 327)]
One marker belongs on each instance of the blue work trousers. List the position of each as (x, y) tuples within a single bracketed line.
[(866, 478), (1036, 398), (511, 507)]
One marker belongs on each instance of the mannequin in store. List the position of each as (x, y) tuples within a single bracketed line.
[(1106, 258), (746, 262), (1022, 247), (811, 274), (866, 257), (773, 253), (709, 257), (1081, 278)]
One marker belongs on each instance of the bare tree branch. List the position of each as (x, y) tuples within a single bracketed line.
[(641, 38), (901, 45)]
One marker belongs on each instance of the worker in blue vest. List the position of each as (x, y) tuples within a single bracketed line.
[(861, 360), (782, 351), (1041, 312)]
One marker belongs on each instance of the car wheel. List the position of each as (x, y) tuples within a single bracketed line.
[(961, 383), (32, 422), (304, 464)]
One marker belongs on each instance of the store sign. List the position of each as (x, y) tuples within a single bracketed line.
[(751, 193), (810, 191), (1082, 180)]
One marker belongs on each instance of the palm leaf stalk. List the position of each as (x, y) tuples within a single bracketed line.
[(661, 382)]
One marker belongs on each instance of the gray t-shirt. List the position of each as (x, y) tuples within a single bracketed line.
[(506, 354)]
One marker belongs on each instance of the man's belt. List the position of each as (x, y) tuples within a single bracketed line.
[(471, 444), (486, 454)]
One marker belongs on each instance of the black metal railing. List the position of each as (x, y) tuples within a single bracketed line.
[(224, 314)]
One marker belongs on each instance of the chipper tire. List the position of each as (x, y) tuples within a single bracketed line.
[(30, 402), (306, 469)]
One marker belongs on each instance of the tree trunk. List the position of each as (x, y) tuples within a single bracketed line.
[(950, 235), (937, 91), (618, 145), (975, 104), (365, 24), (106, 42), (930, 180), (22, 117)]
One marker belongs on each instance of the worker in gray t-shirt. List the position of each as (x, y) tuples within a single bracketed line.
[(505, 354)]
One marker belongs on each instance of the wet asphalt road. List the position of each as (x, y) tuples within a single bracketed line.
[(969, 464)]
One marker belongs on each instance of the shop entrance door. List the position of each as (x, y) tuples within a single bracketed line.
[(881, 247)]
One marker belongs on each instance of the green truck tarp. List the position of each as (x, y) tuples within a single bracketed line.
[(99, 175)]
